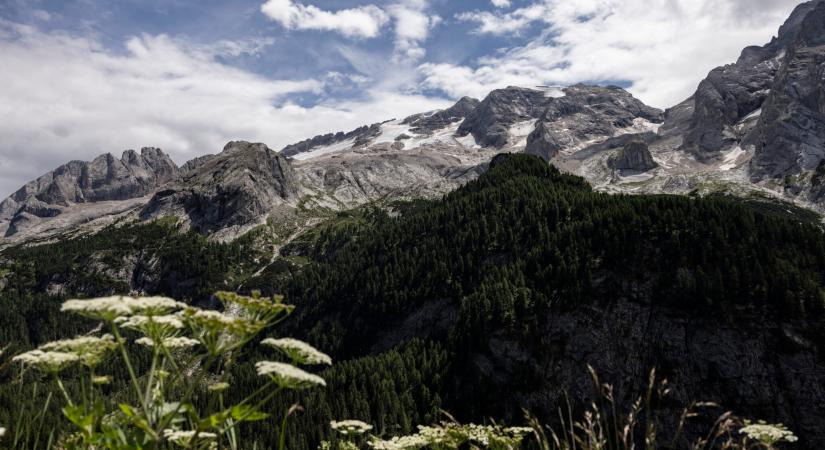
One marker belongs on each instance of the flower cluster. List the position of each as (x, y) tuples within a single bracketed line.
[(350, 427), (156, 327), (298, 351), (768, 434), (255, 307), (90, 350), (453, 435), (170, 343), (50, 362), (288, 376), (186, 438), (218, 332), (412, 442), (110, 308)]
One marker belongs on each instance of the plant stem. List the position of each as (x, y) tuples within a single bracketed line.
[(121, 344), (151, 377), (63, 390)]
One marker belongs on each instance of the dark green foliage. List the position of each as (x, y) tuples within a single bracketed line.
[(505, 248), (495, 258)]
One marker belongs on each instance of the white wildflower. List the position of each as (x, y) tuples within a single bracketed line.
[(106, 308), (350, 427), (184, 438), (171, 342), (256, 307), (300, 352), (141, 322), (288, 376), (111, 308), (157, 328), (519, 431), (154, 306), (179, 342), (2, 432), (412, 442), (90, 349), (52, 362), (218, 332), (768, 434)]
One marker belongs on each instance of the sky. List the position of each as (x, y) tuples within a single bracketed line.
[(79, 78)]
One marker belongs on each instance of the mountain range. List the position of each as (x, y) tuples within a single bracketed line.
[(478, 259), (754, 128)]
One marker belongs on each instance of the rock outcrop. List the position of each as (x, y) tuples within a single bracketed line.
[(586, 114), (790, 135), (731, 93), (635, 156), (238, 188), (360, 136), (491, 120), (106, 178), (430, 122)]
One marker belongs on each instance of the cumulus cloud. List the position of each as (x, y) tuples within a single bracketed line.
[(67, 97), (360, 22), (662, 47), (501, 3), (412, 27), (411, 21)]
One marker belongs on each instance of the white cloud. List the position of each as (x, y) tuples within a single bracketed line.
[(664, 47), (501, 3), (361, 22), (412, 23), (499, 24), (412, 27), (65, 97)]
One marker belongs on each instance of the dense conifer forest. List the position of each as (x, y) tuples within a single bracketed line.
[(412, 299)]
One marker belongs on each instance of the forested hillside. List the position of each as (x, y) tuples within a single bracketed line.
[(492, 299)]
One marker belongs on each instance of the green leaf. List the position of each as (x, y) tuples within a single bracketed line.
[(245, 413), (127, 409)]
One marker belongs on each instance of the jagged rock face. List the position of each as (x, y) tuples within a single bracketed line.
[(106, 178), (586, 113), (238, 188), (790, 135), (491, 120), (731, 93), (635, 156), (350, 180), (195, 163), (428, 123), (360, 135)]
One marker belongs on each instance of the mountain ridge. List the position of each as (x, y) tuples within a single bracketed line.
[(732, 136)]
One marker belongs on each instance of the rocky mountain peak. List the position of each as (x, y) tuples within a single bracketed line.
[(105, 178), (234, 190), (586, 114), (429, 122), (789, 137), (490, 121)]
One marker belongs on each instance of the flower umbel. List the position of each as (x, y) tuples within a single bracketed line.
[(256, 307), (768, 434), (185, 438), (51, 362), (91, 350), (298, 351), (350, 427), (110, 308), (288, 376), (170, 343)]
